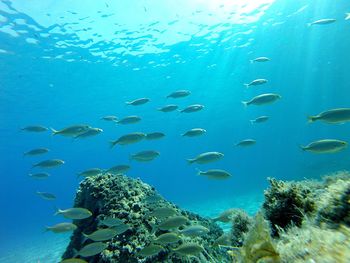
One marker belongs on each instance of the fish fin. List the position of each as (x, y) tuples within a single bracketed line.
[(311, 119), (190, 161), (54, 132), (245, 103)]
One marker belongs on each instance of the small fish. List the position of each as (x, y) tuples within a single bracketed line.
[(150, 250), (172, 222), (262, 99), (129, 139), (145, 156), (223, 240), (247, 142), (260, 59), (163, 212), (154, 135), (91, 249), (73, 260), (323, 21), (194, 132), (256, 82), (102, 234), (153, 198), (71, 131), (207, 157), (49, 163), (260, 119), (39, 175), (75, 213), (194, 231), (88, 133), (61, 228), (90, 172), (325, 146), (110, 118), (193, 108), (121, 228), (36, 151), (179, 94), (333, 116), (119, 169), (46, 196), (111, 221), (189, 249), (167, 238), (138, 102), (129, 120), (36, 128), (215, 174), (168, 108), (225, 216)]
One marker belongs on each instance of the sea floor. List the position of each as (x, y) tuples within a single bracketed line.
[(48, 247)]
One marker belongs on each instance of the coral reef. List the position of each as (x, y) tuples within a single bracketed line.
[(241, 223), (133, 201)]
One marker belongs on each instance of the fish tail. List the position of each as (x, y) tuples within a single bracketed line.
[(245, 103), (112, 144), (303, 148), (252, 121), (309, 24), (199, 172), (190, 161), (251, 61), (128, 103), (54, 132), (46, 229), (75, 253), (246, 85), (311, 119), (57, 211)]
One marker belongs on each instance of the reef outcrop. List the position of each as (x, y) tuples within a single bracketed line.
[(133, 201)]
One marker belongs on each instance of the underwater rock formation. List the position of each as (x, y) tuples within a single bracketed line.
[(132, 201)]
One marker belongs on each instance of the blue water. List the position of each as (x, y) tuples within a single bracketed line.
[(74, 64)]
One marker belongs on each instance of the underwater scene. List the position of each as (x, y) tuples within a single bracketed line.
[(175, 131)]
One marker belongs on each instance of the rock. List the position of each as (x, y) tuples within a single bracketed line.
[(127, 198)]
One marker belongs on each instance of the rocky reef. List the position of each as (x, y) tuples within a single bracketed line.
[(133, 201)]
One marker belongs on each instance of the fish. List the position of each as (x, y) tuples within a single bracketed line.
[(39, 175), (154, 135), (206, 157), (37, 151), (262, 99), (102, 234), (111, 221), (215, 174), (91, 249), (153, 198), (192, 108), (49, 163), (225, 216), (145, 156), (325, 21), (129, 139), (260, 59), (110, 118), (61, 228), (325, 146), (121, 228), (149, 250), (75, 213), (73, 260), (163, 212), (172, 222), (129, 120), (246, 142), (167, 238), (333, 116), (256, 82), (90, 172), (138, 102), (260, 119), (179, 94), (168, 108), (189, 249), (35, 128), (119, 169), (88, 133), (194, 132), (194, 231), (223, 240), (71, 131), (46, 196)]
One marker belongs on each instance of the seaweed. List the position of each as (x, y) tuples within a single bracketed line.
[(241, 222)]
